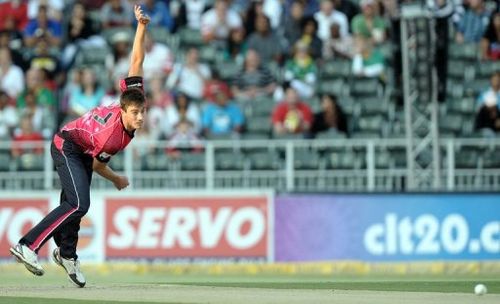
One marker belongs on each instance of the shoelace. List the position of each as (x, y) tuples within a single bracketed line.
[(75, 266)]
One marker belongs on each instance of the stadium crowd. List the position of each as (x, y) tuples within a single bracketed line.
[(255, 69)]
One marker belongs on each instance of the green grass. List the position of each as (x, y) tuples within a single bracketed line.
[(406, 285), (17, 300)]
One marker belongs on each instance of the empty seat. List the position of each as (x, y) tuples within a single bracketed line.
[(190, 38), (335, 69), (336, 87), (30, 162), (304, 159), (268, 160), (4, 162), (229, 161), (259, 124), (451, 123), (192, 161), (156, 162), (366, 87)]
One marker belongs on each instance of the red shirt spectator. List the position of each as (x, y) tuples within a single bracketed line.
[(16, 10), (21, 142), (291, 116)]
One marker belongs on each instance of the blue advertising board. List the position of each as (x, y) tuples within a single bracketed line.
[(387, 227)]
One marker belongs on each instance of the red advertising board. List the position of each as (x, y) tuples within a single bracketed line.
[(187, 227), (17, 216)]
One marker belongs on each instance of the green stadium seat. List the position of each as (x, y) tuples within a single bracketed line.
[(190, 38), (466, 106), (229, 161), (268, 160), (259, 124), (5, 162), (156, 162), (192, 161), (305, 160), (331, 135), (466, 159), (451, 123), (465, 51), (30, 162), (336, 87), (341, 160), (228, 70), (366, 87), (263, 106), (373, 123), (334, 69)]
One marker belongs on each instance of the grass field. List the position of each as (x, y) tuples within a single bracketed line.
[(134, 285)]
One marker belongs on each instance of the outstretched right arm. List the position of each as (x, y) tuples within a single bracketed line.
[(138, 50)]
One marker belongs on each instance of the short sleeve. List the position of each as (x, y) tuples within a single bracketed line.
[(103, 157), (134, 82)]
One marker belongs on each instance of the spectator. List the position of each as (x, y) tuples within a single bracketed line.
[(490, 43), (348, 7), (488, 116), (368, 24), (368, 62), (11, 76), (301, 70), (493, 90), (112, 96), (184, 138), (310, 7), (292, 23), (8, 117), (42, 118), (310, 38), (159, 99), (213, 85), (337, 46), (14, 11), (87, 96), (182, 109), (54, 8), (13, 39), (473, 23), (116, 13), (291, 116), (43, 26), (159, 13), (81, 31), (25, 139), (331, 118), (190, 14), (117, 62), (222, 117), (189, 77), (254, 80), (270, 8), (265, 41), (42, 59), (158, 60), (35, 85), (218, 21), (328, 15), (236, 46)]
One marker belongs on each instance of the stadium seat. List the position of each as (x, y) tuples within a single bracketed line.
[(262, 106), (331, 135), (4, 162), (484, 69), (451, 123), (192, 161), (229, 161), (373, 106), (190, 38), (336, 87), (227, 70), (156, 162), (110, 32), (268, 160), (465, 51), (335, 69), (473, 88), (383, 159), (30, 162), (306, 160), (162, 35), (465, 106), (259, 124), (365, 87), (341, 160), (466, 159), (117, 162), (208, 54)]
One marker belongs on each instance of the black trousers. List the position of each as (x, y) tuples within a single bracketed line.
[(63, 223)]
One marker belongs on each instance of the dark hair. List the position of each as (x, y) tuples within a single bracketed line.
[(132, 97), (332, 97), (306, 21)]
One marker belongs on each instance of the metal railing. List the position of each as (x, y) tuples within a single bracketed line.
[(373, 165)]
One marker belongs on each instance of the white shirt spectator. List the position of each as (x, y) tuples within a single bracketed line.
[(273, 10), (158, 61), (210, 23), (172, 118), (55, 8), (12, 81), (324, 23), (8, 120), (189, 81), (194, 12)]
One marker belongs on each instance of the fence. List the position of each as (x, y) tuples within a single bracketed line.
[(339, 165)]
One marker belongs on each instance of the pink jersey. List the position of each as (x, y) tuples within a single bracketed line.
[(100, 132)]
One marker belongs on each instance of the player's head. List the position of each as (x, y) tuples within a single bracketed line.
[(133, 108)]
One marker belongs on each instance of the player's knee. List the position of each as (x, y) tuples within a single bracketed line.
[(83, 208)]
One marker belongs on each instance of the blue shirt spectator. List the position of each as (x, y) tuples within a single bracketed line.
[(473, 23), (159, 13), (43, 26), (222, 117)]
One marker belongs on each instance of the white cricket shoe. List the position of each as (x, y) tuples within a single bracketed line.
[(71, 266), (28, 257)]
